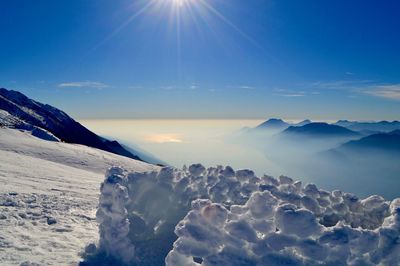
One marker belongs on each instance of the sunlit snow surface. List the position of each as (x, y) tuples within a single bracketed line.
[(48, 197), (219, 216)]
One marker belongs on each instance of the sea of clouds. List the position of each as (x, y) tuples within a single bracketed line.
[(218, 216)]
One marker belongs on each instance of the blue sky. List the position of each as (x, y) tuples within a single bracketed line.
[(205, 58)]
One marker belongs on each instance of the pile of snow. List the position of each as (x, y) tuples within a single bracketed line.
[(218, 216)]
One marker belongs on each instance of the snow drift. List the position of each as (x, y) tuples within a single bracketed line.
[(218, 216)]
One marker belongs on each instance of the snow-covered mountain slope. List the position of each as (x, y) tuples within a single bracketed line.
[(10, 121), (48, 196), (48, 118), (73, 155)]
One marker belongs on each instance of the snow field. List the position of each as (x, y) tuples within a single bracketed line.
[(48, 198)]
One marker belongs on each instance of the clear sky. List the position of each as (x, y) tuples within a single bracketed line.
[(205, 58)]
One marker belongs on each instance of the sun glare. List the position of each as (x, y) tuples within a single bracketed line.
[(180, 3), (178, 14), (163, 138)]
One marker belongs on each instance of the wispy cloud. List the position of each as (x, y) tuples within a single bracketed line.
[(391, 91), (241, 87), (342, 84), (290, 94), (168, 88), (84, 84), (192, 87), (247, 87), (369, 87)]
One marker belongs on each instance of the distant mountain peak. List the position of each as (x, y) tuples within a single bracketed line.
[(272, 120), (303, 123), (319, 128), (273, 123), (24, 113)]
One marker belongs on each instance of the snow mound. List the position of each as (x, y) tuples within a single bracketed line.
[(218, 216)]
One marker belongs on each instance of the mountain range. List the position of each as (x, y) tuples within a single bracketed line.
[(320, 129), (385, 142), (274, 124), (381, 126), (49, 123)]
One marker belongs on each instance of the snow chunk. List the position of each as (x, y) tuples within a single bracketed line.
[(293, 221), (219, 216)]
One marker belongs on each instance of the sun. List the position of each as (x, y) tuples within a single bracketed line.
[(180, 3)]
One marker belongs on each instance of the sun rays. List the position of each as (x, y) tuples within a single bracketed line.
[(177, 13)]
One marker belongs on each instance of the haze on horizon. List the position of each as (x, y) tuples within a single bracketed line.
[(205, 59)]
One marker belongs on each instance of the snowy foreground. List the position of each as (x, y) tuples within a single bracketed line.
[(48, 197), (150, 216), (219, 216)]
